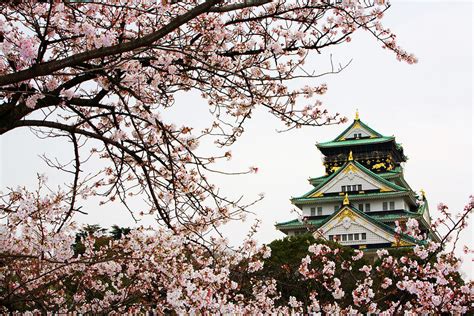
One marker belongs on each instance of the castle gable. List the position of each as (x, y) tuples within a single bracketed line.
[(353, 177), (356, 131), (350, 227)]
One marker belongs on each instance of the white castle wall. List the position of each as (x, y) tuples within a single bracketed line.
[(356, 179), (328, 208), (350, 133), (375, 205)]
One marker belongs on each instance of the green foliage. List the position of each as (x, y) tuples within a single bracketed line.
[(100, 236), (117, 232)]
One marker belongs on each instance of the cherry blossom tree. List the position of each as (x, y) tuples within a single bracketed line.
[(327, 277), (100, 75), (158, 270)]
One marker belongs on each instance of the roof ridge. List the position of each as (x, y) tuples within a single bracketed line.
[(353, 196), (370, 172), (353, 142), (288, 222), (361, 167)]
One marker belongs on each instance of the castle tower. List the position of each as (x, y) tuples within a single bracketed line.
[(363, 194)]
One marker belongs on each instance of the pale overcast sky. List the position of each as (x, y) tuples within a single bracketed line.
[(427, 106)]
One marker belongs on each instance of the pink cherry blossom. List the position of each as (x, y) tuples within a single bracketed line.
[(107, 75)]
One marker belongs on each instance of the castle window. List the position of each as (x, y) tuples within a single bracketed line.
[(351, 188), (392, 205), (320, 210), (364, 236), (367, 207), (331, 237), (350, 237), (384, 206), (313, 211), (361, 207), (356, 236), (344, 237)]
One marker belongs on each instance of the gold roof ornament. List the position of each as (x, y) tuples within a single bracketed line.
[(423, 194), (346, 200), (350, 158), (357, 115)]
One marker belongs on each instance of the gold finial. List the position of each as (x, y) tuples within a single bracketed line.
[(423, 194), (357, 115), (350, 158), (346, 200)]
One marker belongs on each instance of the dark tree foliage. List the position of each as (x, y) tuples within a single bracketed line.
[(117, 232), (100, 235)]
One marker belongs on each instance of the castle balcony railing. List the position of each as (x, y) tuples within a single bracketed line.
[(357, 156)]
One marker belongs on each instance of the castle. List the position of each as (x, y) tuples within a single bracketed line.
[(363, 194)]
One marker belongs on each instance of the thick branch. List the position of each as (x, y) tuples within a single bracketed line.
[(50, 67)]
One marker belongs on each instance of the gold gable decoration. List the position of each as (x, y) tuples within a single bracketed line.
[(316, 194), (401, 243), (346, 213), (346, 200), (350, 168)]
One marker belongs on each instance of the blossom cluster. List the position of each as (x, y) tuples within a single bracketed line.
[(419, 280), (103, 75)]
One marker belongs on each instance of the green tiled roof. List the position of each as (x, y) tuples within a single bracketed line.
[(355, 197), (297, 224), (396, 173), (355, 142), (318, 180), (391, 174), (379, 216), (391, 217)]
